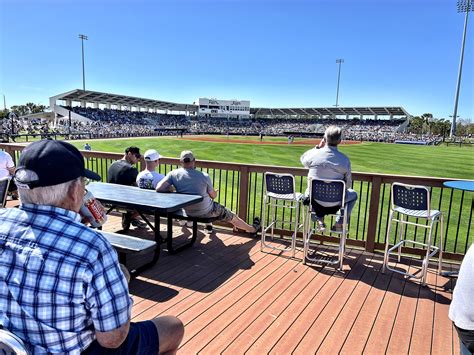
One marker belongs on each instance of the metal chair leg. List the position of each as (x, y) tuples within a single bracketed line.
[(387, 241), (264, 220), (441, 238)]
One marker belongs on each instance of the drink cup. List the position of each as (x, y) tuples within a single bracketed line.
[(93, 210)]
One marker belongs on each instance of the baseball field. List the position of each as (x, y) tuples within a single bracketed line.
[(435, 161)]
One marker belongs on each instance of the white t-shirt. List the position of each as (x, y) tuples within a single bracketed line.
[(461, 311), (148, 179), (6, 161)]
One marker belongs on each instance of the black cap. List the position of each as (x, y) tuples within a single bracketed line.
[(55, 162)]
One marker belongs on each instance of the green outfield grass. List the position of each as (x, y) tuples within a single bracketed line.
[(439, 161)]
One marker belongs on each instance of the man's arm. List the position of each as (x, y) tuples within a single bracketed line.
[(349, 177), (114, 338), (164, 186), (210, 188), (212, 193)]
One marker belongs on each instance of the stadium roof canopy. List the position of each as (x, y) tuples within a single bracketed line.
[(330, 111), (114, 99)]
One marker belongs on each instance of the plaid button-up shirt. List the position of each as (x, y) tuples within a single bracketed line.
[(59, 280)]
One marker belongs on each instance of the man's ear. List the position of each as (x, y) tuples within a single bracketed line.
[(75, 195)]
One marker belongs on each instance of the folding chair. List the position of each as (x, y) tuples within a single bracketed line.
[(11, 344), (280, 193), (4, 183), (326, 191), (413, 201)]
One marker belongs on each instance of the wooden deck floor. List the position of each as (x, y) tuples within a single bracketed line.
[(235, 299)]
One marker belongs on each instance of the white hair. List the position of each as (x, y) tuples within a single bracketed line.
[(45, 195), (333, 135)]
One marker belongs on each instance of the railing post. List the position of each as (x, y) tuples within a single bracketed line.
[(373, 214), (243, 191)]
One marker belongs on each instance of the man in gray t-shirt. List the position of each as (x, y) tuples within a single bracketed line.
[(188, 180), (325, 161)]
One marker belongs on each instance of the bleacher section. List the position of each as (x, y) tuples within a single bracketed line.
[(111, 123)]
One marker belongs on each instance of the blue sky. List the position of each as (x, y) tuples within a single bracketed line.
[(274, 53)]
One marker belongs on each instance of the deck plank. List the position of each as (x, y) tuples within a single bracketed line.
[(292, 337), (342, 326), (421, 337), (322, 324)]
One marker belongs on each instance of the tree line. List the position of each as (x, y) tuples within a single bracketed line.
[(426, 124), (22, 110)]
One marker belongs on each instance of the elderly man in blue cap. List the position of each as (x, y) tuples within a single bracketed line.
[(61, 287)]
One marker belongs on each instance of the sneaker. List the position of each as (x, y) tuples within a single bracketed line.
[(182, 223), (321, 225), (256, 224), (139, 224), (209, 228), (126, 221)]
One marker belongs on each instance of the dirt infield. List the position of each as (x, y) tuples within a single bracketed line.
[(257, 141)]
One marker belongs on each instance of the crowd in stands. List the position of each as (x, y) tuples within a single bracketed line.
[(110, 123)]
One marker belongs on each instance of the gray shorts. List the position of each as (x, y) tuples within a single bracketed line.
[(219, 211)]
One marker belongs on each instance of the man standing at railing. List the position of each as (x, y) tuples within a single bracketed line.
[(325, 161), (188, 180)]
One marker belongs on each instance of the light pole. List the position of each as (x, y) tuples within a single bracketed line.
[(83, 37), (338, 61), (463, 6)]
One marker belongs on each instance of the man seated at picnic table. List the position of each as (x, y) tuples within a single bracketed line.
[(188, 180), (461, 310), (325, 161), (123, 172), (62, 289), (149, 178)]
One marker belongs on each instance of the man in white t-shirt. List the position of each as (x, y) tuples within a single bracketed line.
[(149, 178), (461, 311), (7, 168)]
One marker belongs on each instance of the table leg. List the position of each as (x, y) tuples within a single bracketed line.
[(169, 237)]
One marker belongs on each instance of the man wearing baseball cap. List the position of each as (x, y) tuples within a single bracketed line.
[(149, 178), (62, 289), (188, 180)]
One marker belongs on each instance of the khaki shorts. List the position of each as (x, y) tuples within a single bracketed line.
[(219, 211)]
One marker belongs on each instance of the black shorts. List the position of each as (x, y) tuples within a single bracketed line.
[(142, 339), (467, 338)]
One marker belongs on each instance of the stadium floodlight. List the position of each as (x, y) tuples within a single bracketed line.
[(463, 6), (83, 37), (12, 116), (338, 61)]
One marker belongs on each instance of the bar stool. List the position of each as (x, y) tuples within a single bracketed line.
[(280, 193), (413, 201), (334, 193)]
